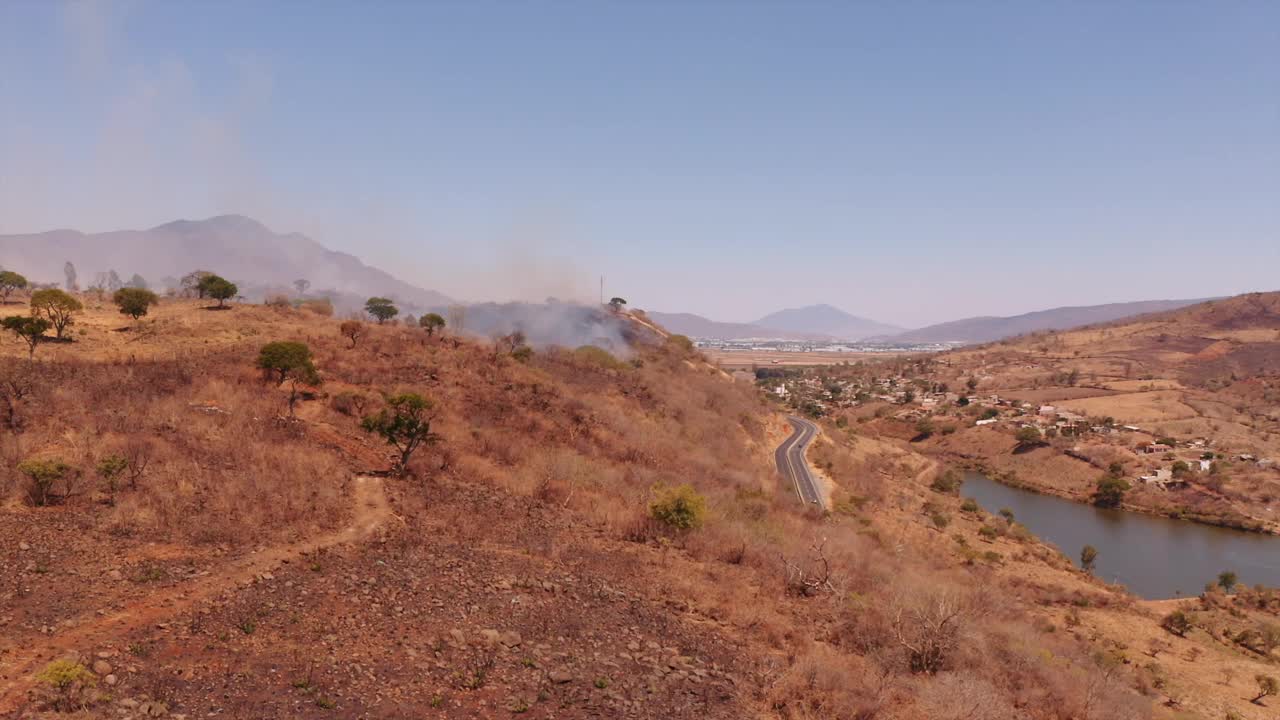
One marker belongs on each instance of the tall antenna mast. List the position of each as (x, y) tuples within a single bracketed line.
[(601, 289)]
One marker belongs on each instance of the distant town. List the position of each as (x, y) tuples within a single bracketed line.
[(810, 346)]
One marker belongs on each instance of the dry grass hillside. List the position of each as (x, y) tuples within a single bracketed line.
[(253, 562), (1206, 377)]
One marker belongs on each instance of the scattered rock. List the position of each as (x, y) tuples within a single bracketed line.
[(23, 546), (510, 639), (151, 708), (559, 677), (101, 667)]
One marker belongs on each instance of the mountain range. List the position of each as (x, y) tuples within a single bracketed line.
[(826, 323), (262, 261), (239, 248), (814, 322), (973, 330)]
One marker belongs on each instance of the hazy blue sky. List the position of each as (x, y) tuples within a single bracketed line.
[(910, 162)]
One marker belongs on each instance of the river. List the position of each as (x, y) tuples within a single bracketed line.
[(1155, 557)]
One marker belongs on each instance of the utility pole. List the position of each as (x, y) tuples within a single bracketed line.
[(601, 289)]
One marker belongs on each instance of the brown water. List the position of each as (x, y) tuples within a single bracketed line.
[(1155, 557)]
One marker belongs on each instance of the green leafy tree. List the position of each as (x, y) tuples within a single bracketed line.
[(1109, 491), (110, 468), (680, 507), (382, 309), (134, 302), (1088, 556), (405, 424), (44, 476), (137, 281), (431, 322), (9, 282), (1227, 580), (28, 329), (218, 288), (57, 307), (288, 361), (1029, 436)]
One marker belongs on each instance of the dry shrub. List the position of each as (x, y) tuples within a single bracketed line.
[(964, 696), (202, 449), (823, 683), (320, 306)]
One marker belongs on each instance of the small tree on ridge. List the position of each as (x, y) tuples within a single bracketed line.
[(382, 309), (431, 322), (56, 306), (134, 302), (405, 423)]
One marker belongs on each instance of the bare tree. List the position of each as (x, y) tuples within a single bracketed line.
[(457, 317), (69, 271), (810, 575), (137, 456), (929, 625), (14, 388)]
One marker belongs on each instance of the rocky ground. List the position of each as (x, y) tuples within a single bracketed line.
[(413, 619)]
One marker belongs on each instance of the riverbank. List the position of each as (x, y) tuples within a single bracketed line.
[(1076, 484), (1225, 520), (1154, 557)]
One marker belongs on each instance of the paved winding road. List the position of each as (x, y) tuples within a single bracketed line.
[(793, 466)]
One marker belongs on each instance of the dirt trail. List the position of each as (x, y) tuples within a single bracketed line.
[(370, 512)]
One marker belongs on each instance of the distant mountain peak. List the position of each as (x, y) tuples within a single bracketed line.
[(990, 328), (236, 246), (825, 319), (221, 223)]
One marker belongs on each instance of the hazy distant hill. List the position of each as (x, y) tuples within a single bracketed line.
[(697, 326), (1223, 345), (825, 320), (988, 329), (236, 247)]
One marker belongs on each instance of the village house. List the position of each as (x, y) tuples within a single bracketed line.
[(1162, 478)]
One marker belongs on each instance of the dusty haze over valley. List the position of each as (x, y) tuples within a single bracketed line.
[(871, 361)]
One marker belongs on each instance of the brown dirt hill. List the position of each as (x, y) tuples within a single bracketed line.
[(256, 571)]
